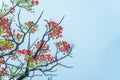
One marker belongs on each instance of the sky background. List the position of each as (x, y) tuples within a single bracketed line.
[(94, 27)]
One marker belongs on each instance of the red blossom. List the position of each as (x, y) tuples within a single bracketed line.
[(53, 23), (3, 20), (26, 52), (1, 61), (5, 71), (46, 57), (19, 36), (7, 35), (63, 46), (4, 25), (21, 51), (44, 49), (30, 23), (14, 57), (33, 30), (55, 30), (12, 10), (35, 2)]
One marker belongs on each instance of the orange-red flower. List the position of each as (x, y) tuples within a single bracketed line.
[(45, 47), (46, 57), (12, 10), (19, 36), (5, 71), (63, 46), (1, 61), (35, 2), (26, 52), (30, 23), (55, 30), (14, 57), (53, 23), (33, 30), (22, 51)]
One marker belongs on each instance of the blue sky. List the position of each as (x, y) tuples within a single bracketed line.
[(94, 27)]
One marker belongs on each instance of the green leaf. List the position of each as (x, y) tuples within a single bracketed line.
[(0, 32), (2, 42), (10, 44)]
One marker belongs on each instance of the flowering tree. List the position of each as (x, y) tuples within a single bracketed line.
[(36, 58)]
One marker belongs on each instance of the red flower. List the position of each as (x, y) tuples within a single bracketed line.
[(4, 20), (1, 61), (53, 23), (30, 52), (33, 30), (14, 57), (12, 10), (63, 46), (5, 71), (30, 23), (26, 52), (55, 30), (35, 2), (46, 57), (45, 47), (21, 51), (19, 36)]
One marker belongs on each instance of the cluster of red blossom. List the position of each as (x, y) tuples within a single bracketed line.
[(45, 47), (4, 26), (26, 52), (55, 30), (18, 36), (63, 46), (30, 23), (35, 2), (2, 69), (46, 57)]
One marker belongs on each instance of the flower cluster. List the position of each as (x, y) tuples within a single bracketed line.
[(18, 36), (6, 45), (55, 30), (14, 57), (4, 27), (35, 2), (44, 49), (9, 46), (4, 71), (63, 46), (4, 23), (46, 58), (26, 52), (30, 25), (1, 61)]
